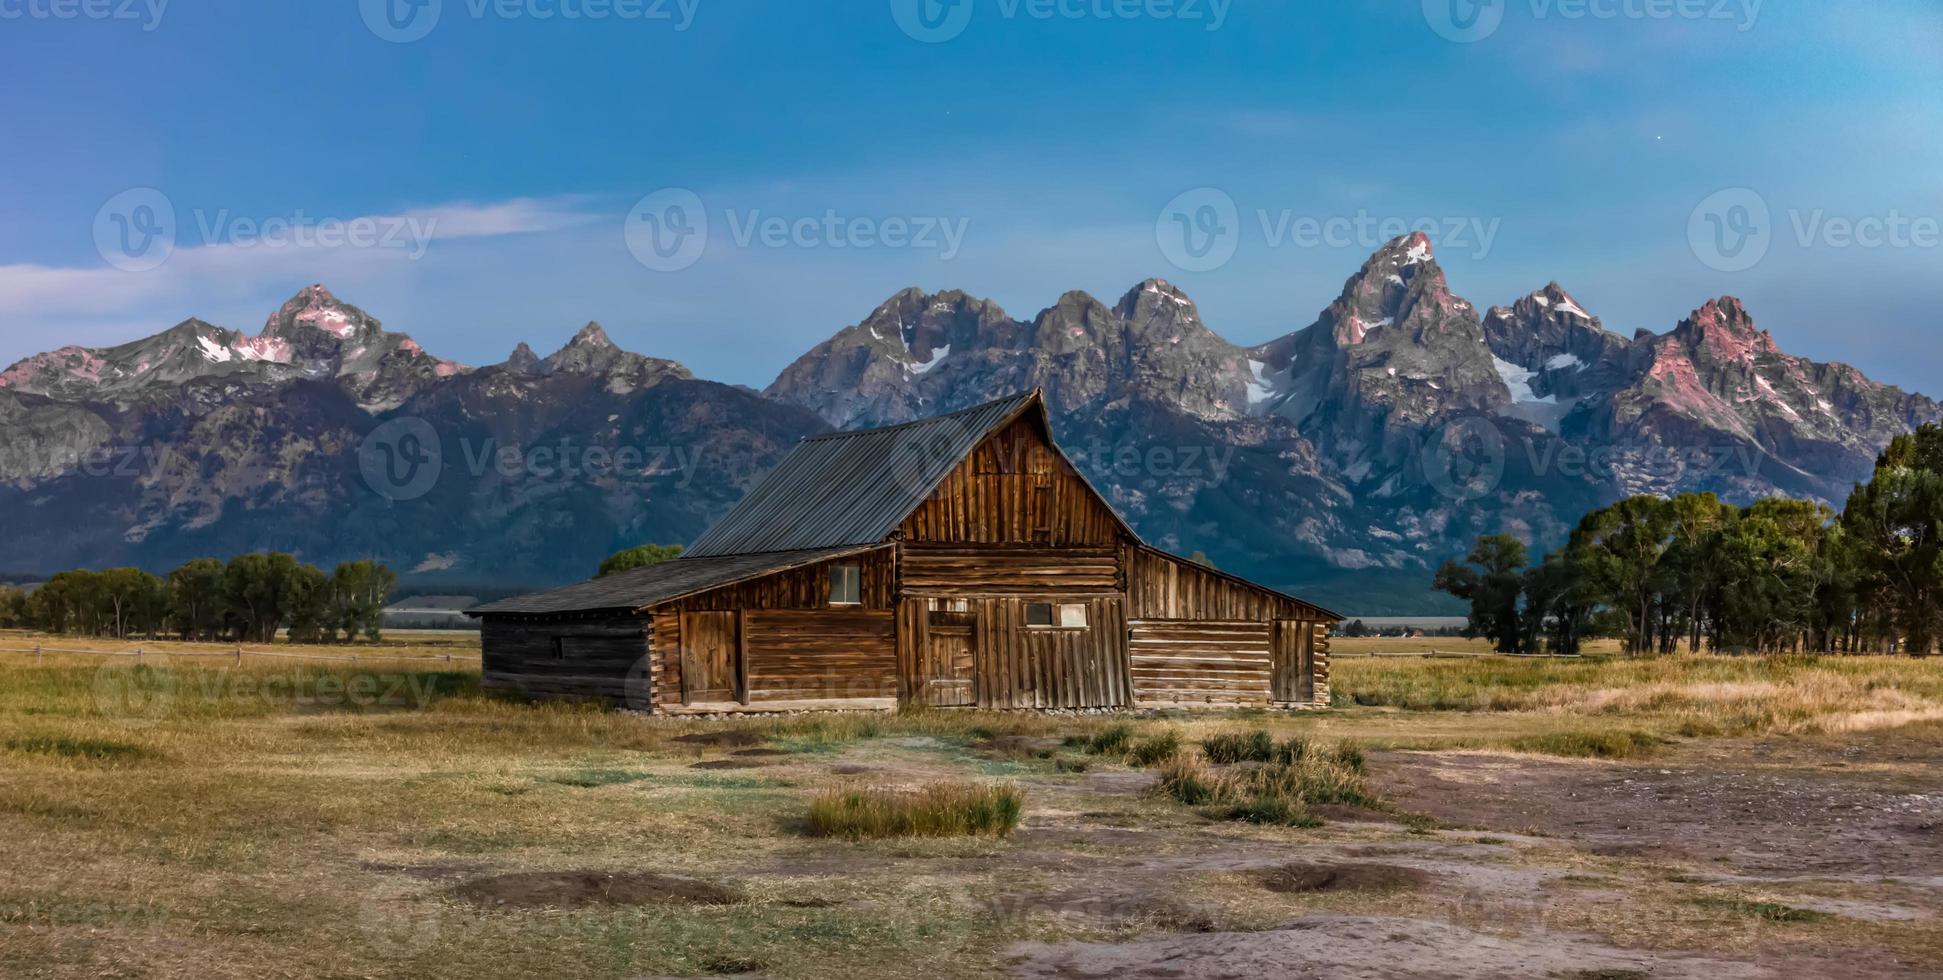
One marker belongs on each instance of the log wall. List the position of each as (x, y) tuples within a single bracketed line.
[(1177, 605), (952, 570), (799, 655), (1183, 662), (603, 659)]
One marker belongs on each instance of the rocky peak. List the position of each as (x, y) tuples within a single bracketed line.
[(1725, 331), (314, 311), (523, 360), (592, 352)]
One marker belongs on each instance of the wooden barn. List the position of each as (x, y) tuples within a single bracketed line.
[(959, 561)]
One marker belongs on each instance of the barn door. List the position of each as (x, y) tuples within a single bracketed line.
[(710, 657), (1294, 676), (945, 663)]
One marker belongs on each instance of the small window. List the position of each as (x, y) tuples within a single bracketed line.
[(1063, 615), (846, 585), (559, 648)]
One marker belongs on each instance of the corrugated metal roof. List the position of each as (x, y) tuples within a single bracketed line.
[(853, 488), (643, 587)]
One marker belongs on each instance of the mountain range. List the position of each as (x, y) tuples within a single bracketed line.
[(1344, 460)]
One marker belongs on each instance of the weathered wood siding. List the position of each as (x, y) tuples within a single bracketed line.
[(1188, 662), (1202, 637), (801, 588), (1015, 488), (959, 570), (604, 659), (800, 655), (1017, 666)]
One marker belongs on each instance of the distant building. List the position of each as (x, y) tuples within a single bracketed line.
[(959, 561)]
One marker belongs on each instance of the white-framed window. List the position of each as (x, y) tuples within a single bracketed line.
[(1056, 615), (846, 585)]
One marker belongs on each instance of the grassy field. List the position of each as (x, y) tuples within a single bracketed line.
[(208, 816)]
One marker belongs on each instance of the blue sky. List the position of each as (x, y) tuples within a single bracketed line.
[(498, 161)]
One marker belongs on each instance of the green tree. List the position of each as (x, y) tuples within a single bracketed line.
[(306, 603), (196, 599), (1895, 525), (360, 591), (1771, 562), (1492, 587), (1617, 552), (13, 608), (641, 557)]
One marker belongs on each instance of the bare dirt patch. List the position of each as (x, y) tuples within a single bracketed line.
[(1806, 810), (1302, 877), (1341, 947), (576, 889), (722, 740)]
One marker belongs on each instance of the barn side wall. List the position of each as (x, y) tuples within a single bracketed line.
[(595, 658), (797, 650), (1200, 637)]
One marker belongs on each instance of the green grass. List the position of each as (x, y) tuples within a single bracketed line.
[(1251, 777), (89, 749), (1591, 745), (1765, 911), (937, 810)]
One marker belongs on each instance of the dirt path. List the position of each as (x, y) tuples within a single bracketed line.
[(1846, 831), (1773, 810)]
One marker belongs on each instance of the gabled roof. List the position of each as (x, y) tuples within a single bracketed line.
[(855, 488), (637, 589)]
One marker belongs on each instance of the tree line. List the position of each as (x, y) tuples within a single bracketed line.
[(248, 599), (1777, 576)]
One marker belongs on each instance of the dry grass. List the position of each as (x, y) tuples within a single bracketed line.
[(200, 817), (937, 810)]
